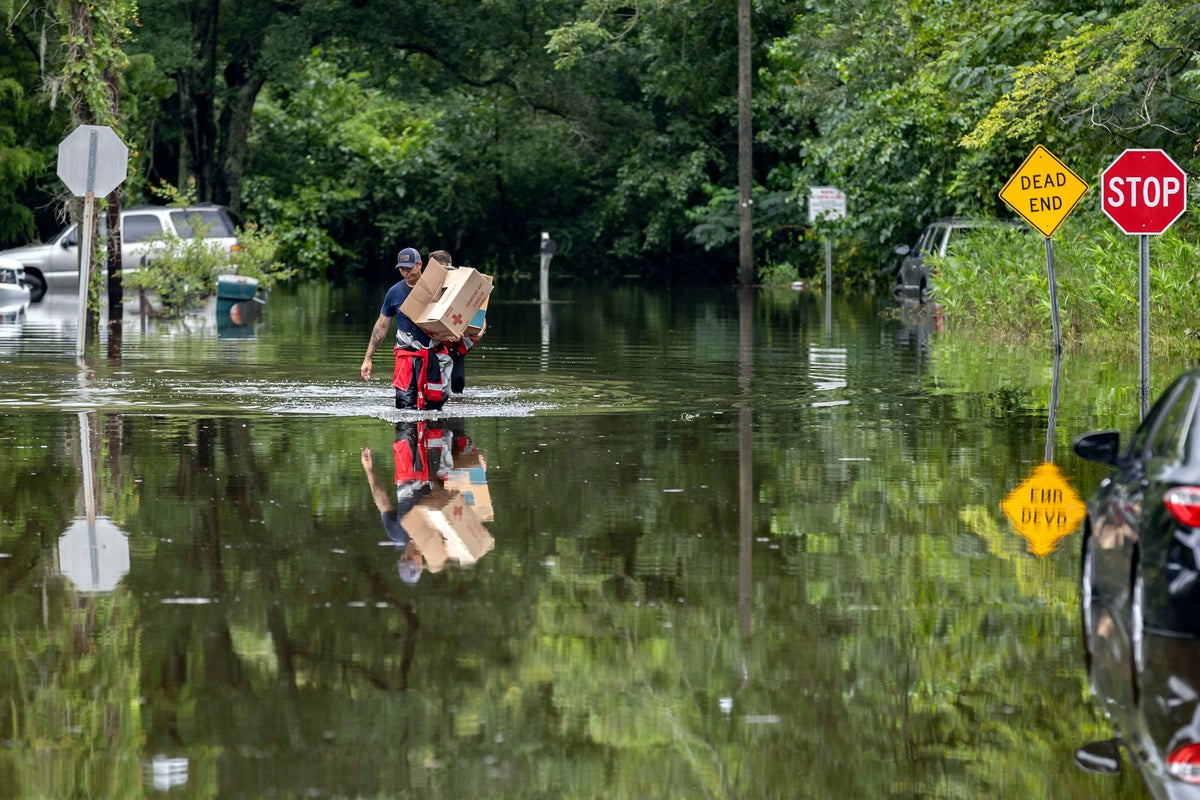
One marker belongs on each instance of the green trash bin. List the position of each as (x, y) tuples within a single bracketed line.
[(232, 290)]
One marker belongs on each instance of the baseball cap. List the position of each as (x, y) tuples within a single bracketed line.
[(410, 571), (408, 257)]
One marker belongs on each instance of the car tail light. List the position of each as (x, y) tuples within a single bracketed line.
[(1184, 763), (1184, 504)]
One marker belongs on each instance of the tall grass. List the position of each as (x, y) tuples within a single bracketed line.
[(994, 284)]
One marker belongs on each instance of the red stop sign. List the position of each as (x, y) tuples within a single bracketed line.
[(1143, 191)]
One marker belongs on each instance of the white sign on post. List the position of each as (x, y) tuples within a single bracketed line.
[(826, 202), (92, 161)]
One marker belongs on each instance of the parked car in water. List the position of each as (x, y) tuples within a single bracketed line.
[(55, 264), (13, 291), (1141, 538), (914, 277), (1140, 591)]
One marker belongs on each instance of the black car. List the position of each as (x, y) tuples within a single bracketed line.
[(1141, 537), (1139, 593)]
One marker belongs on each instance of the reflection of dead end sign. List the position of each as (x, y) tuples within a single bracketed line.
[(1044, 508), (826, 202), (94, 557)]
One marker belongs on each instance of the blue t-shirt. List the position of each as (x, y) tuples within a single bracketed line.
[(391, 308), (395, 531)]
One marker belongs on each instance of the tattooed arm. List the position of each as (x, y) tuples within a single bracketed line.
[(378, 334)]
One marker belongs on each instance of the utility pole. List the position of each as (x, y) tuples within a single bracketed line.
[(745, 150)]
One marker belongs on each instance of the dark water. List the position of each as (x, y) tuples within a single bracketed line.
[(750, 552)]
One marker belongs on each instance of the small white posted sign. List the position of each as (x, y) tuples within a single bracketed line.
[(826, 202)]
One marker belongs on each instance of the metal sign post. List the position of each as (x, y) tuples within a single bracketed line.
[(827, 203), (1144, 323), (1052, 279), (548, 249), (1143, 192), (92, 161), (85, 266)]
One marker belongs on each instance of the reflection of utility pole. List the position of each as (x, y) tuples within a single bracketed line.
[(745, 470), (548, 248)]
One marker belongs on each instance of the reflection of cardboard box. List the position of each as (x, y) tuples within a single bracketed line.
[(467, 458), (444, 301), (444, 527), (472, 483)]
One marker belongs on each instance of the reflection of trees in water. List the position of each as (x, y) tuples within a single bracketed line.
[(70, 685), (232, 481), (606, 624)]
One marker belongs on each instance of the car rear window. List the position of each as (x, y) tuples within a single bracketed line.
[(217, 223), (140, 227), (931, 242)]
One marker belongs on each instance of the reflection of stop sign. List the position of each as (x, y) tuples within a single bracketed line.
[(1143, 191)]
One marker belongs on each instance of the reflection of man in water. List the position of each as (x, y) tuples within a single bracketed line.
[(420, 461)]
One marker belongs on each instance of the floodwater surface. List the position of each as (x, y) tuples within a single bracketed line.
[(665, 545)]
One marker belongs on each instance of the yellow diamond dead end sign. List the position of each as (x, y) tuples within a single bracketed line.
[(1044, 509), (1043, 191)]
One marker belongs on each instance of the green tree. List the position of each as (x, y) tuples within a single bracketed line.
[(29, 128), (1125, 77), (884, 122)]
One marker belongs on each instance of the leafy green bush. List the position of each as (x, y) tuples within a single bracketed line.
[(772, 273), (183, 272), (255, 257), (995, 283)]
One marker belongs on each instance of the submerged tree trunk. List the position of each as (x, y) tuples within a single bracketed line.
[(116, 299)]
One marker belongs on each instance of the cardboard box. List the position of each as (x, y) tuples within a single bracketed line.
[(444, 528), (475, 326), (422, 295), (463, 293), (445, 300), (472, 483)]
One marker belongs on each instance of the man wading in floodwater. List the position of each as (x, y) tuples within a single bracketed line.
[(456, 351), (418, 377)]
